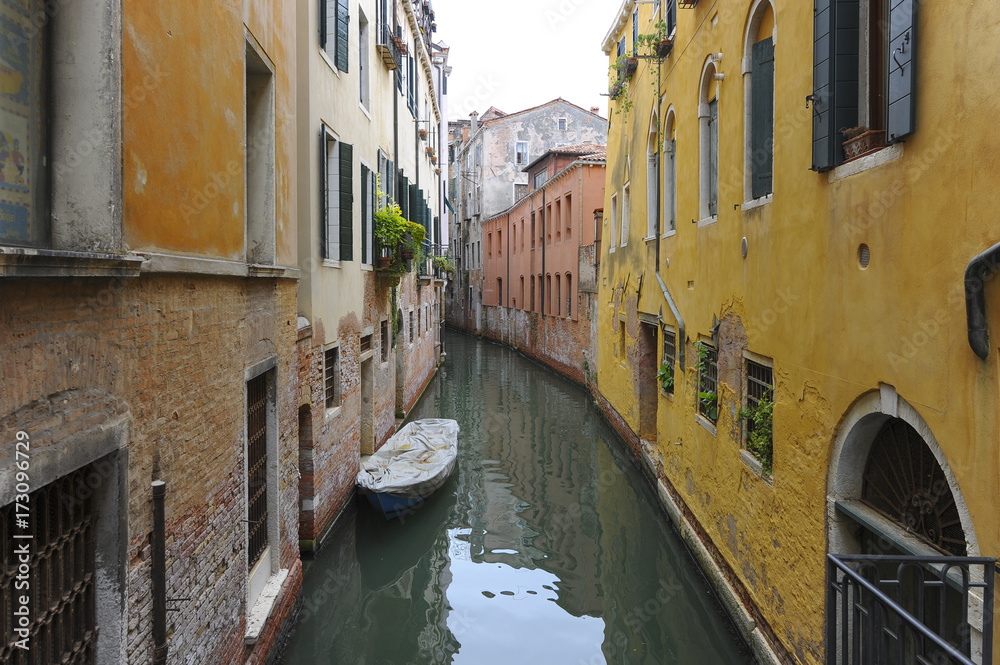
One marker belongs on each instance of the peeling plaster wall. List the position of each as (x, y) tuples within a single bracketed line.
[(835, 331)]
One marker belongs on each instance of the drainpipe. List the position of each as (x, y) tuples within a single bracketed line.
[(159, 574), (681, 330), (508, 260), (980, 269), (544, 276)]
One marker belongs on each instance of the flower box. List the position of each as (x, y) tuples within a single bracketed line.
[(664, 48), (863, 144)]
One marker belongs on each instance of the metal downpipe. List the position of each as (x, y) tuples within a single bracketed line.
[(159, 574), (980, 269)]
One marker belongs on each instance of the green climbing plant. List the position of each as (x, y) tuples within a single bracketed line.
[(665, 375), (759, 435)]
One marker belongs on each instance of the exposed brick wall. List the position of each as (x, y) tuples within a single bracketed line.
[(168, 352), (561, 343)]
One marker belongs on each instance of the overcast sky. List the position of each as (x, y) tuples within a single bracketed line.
[(515, 54)]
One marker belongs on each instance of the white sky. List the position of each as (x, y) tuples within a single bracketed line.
[(515, 54)]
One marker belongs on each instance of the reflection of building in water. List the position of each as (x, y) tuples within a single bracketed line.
[(531, 474)]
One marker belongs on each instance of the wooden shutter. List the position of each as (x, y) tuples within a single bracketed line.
[(324, 213), (414, 204), (343, 26), (346, 202), (323, 11), (404, 196), (365, 208), (390, 181), (901, 116), (835, 78), (762, 117), (713, 159)]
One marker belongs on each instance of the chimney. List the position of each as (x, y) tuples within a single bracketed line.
[(596, 110), (475, 122)]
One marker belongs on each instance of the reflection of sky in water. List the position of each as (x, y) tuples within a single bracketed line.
[(496, 612)]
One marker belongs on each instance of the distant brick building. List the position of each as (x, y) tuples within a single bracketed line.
[(487, 171), (540, 261)]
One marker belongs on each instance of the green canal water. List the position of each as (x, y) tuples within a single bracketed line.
[(545, 547)]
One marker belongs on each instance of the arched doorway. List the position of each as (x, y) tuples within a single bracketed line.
[(895, 508)]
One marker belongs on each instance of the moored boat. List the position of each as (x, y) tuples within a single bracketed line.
[(413, 464)]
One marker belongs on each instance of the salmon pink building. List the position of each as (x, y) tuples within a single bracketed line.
[(540, 260)]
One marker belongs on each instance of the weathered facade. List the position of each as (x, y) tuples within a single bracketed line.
[(540, 262), (832, 297), (147, 329), (488, 175), (358, 371)]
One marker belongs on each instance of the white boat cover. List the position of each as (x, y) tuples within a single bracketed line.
[(415, 461)]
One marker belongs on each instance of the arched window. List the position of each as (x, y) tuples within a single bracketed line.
[(669, 174), (708, 121), (758, 100), (558, 294), (500, 292), (547, 305), (532, 307)]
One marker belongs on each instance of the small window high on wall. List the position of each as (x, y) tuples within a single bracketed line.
[(260, 182)]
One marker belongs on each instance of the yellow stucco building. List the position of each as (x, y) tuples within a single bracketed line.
[(754, 254)]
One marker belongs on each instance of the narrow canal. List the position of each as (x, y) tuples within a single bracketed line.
[(545, 546)]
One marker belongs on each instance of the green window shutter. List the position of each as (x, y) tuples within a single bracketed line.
[(901, 118), (414, 203), (390, 180), (437, 231), (324, 214), (365, 209), (404, 196), (762, 117), (713, 157), (835, 78), (343, 26), (323, 11), (346, 202)]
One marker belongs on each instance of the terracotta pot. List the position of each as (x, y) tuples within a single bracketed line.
[(384, 262), (864, 144), (663, 48)]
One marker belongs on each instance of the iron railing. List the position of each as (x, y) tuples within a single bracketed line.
[(388, 47), (896, 610)]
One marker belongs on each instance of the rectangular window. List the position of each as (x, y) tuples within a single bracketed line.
[(562, 124), (762, 118), (568, 211), (331, 376), (411, 326), (366, 343), (363, 58), (532, 230), (334, 26), (368, 195), (521, 156), (558, 219), (708, 382), (257, 467), (520, 191), (669, 358), (635, 30), (337, 199), (259, 156), (569, 295), (626, 212), (621, 340), (621, 46), (558, 294), (670, 186), (384, 340), (758, 412), (614, 221), (62, 624), (24, 216), (479, 154), (499, 243), (540, 178)]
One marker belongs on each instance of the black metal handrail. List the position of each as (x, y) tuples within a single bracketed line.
[(867, 625)]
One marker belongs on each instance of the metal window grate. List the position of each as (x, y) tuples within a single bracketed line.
[(62, 626), (331, 376), (384, 340), (670, 351), (366, 343), (708, 382), (256, 468), (760, 383), (904, 481)]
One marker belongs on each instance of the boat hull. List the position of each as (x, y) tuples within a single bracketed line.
[(392, 506)]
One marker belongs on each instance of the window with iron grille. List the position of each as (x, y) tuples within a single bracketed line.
[(256, 469), (331, 376), (670, 356), (62, 626), (708, 382), (384, 340), (411, 326), (760, 386), (366, 343)]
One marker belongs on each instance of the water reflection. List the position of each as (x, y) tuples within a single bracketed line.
[(545, 546)]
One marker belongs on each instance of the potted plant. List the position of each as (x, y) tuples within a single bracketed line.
[(665, 375), (759, 438), (859, 141), (658, 43), (442, 265), (423, 132), (626, 65)]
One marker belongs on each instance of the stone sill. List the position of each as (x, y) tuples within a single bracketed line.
[(31, 262), (707, 221), (862, 164), (707, 424), (180, 264), (756, 203), (755, 466), (261, 610)]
